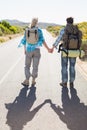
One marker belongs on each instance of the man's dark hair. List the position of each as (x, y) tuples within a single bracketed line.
[(69, 20)]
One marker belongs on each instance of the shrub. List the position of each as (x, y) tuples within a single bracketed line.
[(2, 40), (54, 30), (6, 24), (84, 45), (13, 29), (4, 29), (1, 33)]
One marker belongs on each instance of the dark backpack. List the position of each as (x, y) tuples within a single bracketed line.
[(72, 37)]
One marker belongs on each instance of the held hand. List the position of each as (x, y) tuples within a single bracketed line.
[(50, 50)]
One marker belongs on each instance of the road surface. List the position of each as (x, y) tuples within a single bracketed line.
[(46, 106)]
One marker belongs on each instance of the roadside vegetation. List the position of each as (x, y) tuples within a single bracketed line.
[(8, 31)]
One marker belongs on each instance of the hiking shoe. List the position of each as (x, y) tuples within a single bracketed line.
[(63, 84), (71, 84), (25, 83)]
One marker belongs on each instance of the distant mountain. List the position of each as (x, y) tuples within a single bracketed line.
[(16, 22), (20, 23), (45, 25)]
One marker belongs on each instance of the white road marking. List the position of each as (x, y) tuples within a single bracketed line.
[(9, 71)]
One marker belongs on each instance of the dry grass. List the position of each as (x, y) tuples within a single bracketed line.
[(8, 37)]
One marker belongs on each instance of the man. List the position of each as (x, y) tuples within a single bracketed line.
[(32, 50), (66, 59)]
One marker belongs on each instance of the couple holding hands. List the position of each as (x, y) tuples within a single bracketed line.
[(32, 43)]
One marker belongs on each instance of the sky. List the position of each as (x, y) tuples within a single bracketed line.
[(50, 11)]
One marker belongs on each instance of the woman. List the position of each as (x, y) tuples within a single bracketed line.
[(32, 51)]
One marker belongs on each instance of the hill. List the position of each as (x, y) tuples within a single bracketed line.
[(15, 22), (20, 23)]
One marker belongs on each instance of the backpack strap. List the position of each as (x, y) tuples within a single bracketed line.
[(28, 33), (36, 33), (62, 49), (79, 54)]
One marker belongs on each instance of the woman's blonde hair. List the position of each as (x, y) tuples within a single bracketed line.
[(34, 22)]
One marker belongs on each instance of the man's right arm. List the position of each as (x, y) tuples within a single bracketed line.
[(58, 38)]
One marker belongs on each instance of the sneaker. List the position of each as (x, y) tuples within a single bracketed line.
[(63, 84), (25, 83), (71, 84), (33, 82)]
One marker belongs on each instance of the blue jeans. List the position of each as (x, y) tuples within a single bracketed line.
[(65, 70)]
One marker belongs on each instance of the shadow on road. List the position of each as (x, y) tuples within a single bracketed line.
[(73, 113), (19, 112)]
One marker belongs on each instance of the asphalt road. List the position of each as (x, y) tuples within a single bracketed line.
[(46, 106)]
